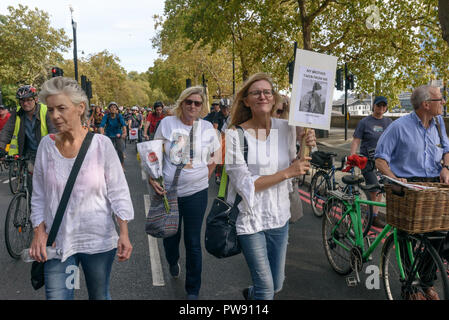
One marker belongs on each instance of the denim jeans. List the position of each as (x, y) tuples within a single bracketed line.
[(265, 254), (61, 277), (191, 212)]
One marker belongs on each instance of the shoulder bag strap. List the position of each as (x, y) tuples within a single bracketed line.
[(68, 188), (238, 197)]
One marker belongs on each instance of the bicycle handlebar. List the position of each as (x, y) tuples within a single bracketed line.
[(9, 158)]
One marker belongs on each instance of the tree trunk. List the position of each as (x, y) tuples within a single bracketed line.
[(443, 13)]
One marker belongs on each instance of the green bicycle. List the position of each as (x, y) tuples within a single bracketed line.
[(410, 266)]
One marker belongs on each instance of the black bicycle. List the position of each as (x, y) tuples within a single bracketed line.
[(18, 228), (324, 181), (16, 169)]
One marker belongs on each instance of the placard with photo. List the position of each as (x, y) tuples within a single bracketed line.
[(313, 88)]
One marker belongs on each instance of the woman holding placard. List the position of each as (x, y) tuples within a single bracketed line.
[(263, 182)]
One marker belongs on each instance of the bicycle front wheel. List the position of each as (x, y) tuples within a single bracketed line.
[(319, 187), (18, 229), (336, 233), (423, 270), (15, 176)]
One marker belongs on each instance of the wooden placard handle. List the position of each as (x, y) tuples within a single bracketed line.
[(305, 150)]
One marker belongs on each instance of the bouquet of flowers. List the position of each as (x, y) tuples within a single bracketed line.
[(151, 155)]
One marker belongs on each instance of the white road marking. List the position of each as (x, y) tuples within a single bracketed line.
[(155, 258), (144, 175), (12, 179)]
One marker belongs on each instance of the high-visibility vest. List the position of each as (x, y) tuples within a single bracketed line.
[(14, 144)]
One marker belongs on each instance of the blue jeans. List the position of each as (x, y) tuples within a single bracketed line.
[(61, 277), (191, 211), (265, 254)]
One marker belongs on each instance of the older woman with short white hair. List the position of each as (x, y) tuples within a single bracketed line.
[(87, 233), (193, 181)]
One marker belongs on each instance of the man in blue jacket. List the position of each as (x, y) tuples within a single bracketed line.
[(114, 127)]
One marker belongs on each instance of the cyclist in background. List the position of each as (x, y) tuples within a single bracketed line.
[(153, 119), (26, 126), (366, 135), (214, 110), (4, 116), (136, 122), (95, 118), (114, 127)]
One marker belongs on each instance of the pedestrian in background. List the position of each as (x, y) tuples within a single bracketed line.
[(87, 234), (193, 182), (366, 135), (264, 183), (153, 119)]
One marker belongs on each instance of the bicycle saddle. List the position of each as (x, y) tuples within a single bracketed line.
[(372, 187), (352, 180)]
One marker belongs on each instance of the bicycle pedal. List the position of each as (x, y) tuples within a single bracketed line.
[(351, 281)]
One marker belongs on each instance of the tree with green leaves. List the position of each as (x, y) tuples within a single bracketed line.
[(394, 44), (28, 46)]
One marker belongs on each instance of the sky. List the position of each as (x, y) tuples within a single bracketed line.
[(124, 28)]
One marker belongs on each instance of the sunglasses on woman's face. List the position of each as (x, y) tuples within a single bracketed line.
[(190, 102)]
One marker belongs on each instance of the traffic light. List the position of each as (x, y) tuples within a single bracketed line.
[(350, 82), (291, 69), (339, 80), (57, 72)]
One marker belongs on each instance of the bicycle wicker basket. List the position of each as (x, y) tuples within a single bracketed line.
[(418, 211)]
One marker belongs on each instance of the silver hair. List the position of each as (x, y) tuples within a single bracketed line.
[(421, 94), (67, 86)]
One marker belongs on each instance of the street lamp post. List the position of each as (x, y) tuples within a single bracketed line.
[(75, 51)]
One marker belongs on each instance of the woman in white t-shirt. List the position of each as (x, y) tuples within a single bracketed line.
[(87, 234), (193, 181), (263, 182)]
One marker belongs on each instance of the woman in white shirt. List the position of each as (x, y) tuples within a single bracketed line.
[(193, 181), (264, 182), (87, 234)]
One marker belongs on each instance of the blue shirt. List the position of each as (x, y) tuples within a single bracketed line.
[(113, 126), (31, 141), (412, 150)]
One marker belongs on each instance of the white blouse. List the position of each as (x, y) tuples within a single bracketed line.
[(269, 208), (100, 190)]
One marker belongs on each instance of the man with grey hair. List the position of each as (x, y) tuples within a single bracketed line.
[(415, 148), (412, 147)]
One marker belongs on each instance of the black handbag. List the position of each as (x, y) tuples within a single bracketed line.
[(37, 268), (221, 238)]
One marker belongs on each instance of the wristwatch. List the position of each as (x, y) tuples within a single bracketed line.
[(446, 166)]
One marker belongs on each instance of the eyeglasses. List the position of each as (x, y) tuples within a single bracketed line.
[(26, 100), (197, 103), (280, 111), (257, 93), (441, 99)]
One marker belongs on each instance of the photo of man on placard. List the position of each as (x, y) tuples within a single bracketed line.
[(314, 96)]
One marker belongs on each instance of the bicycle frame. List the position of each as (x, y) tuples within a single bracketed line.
[(353, 210)]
